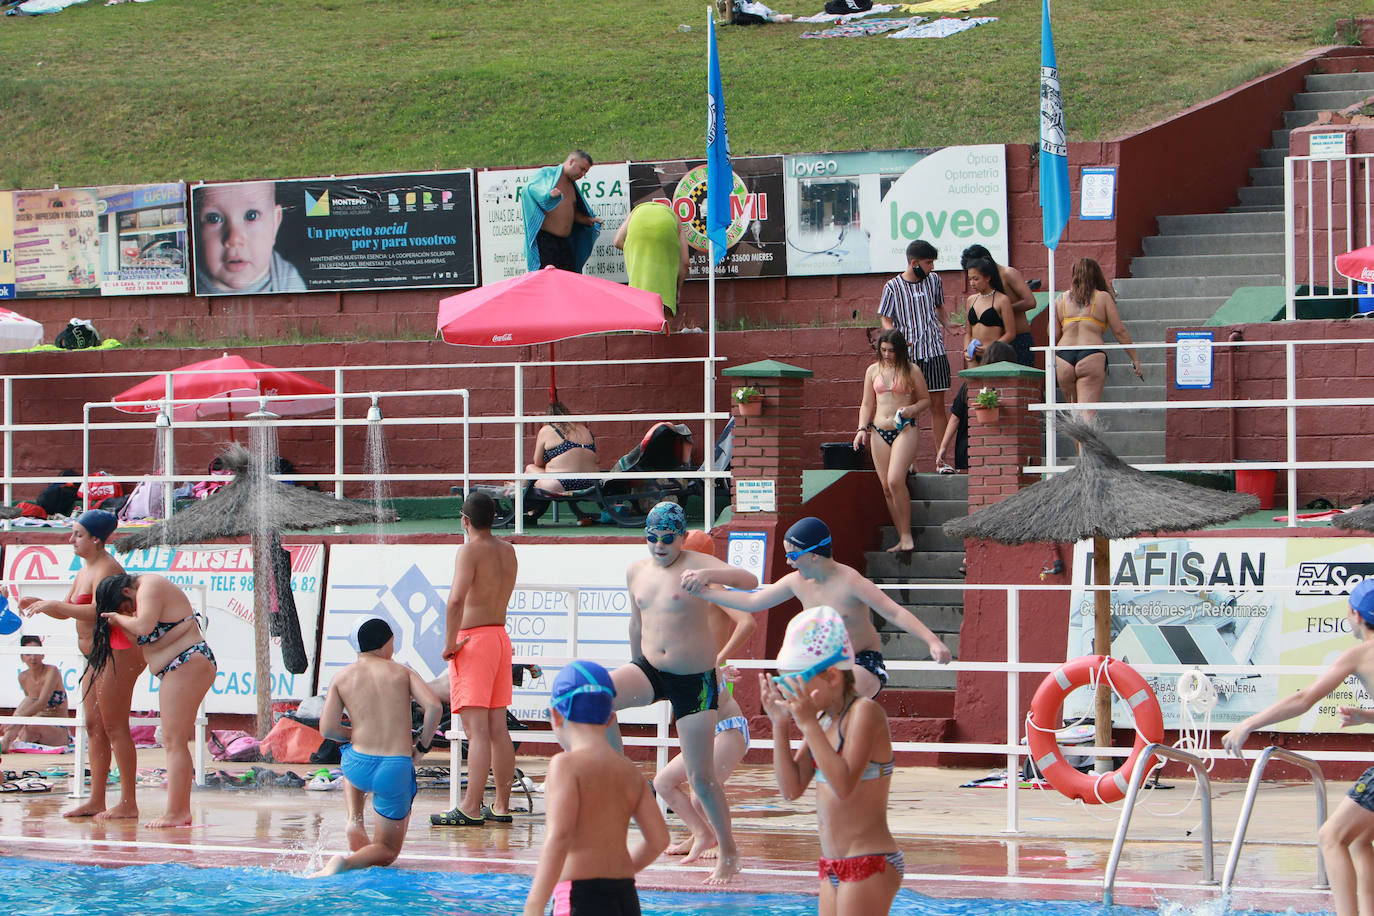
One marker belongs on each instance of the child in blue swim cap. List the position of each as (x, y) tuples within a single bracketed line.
[(1345, 836), (591, 793)]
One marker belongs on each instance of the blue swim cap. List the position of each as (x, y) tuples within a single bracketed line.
[(1362, 600), (583, 692), (99, 523), (666, 516), (808, 534)]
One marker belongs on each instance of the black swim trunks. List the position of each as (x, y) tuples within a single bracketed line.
[(688, 694), (596, 897), (555, 251), (871, 660)]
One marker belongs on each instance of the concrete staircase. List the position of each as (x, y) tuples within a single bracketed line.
[(935, 500), (1194, 265)]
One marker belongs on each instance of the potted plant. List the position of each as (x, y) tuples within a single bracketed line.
[(749, 401), (985, 405)]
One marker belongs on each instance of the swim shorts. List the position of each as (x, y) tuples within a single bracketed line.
[(1022, 344), (1362, 792), (871, 660), (688, 694), (391, 780), (480, 674), (596, 897), (555, 251), (859, 868)]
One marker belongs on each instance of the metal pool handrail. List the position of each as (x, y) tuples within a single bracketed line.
[(1137, 777), (1251, 790)]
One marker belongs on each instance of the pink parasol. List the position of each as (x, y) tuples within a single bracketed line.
[(546, 306), (1357, 265), (242, 380), (18, 332)]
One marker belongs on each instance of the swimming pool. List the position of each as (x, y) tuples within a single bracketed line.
[(38, 888)]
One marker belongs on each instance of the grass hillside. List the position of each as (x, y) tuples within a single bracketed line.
[(220, 89)]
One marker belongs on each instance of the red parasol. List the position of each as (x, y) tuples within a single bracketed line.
[(242, 380), (546, 306), (1357, 265)]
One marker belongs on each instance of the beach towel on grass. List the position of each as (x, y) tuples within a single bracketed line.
[(878, 8), (860, 28), (942, 28)]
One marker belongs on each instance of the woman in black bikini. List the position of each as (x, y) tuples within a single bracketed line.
[(1080, 317), (990, 316), (158, 616), (894, 396), (563, 450), (44, 695)]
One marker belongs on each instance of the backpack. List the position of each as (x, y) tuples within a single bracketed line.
[(100, 488), (79, 334), (232, 744), (144, 502), (59, 498)]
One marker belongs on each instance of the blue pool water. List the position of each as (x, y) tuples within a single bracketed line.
[(55, 889)]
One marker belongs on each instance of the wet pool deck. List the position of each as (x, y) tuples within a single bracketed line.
[(954, 839)]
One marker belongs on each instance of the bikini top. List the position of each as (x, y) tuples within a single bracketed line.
[(57, 699), (990, 318), (1102, 325), (566, 445), (881, 386), (161, 630), (873, 770)]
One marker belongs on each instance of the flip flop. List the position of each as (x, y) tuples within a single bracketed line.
[(493, 817), (34, 785), (943, 468), (9, 787), (455, 818)]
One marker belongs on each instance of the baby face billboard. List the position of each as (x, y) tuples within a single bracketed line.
[(331, 234), (756, 235), (857, 212)]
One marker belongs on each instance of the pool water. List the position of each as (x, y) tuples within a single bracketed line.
[(55, 889)]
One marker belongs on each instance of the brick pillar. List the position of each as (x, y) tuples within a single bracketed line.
[(999, 449)]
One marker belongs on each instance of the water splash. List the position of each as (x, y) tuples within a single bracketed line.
[(376, 466)]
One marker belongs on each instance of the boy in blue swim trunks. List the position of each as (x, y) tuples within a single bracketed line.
[(1347, 837), (379, 751), (591, 794)]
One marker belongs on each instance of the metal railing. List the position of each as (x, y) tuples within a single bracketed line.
[(1142, 765), (1252, 789), (1335, 193)]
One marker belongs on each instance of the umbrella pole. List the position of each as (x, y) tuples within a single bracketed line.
[(262, 581), (553, 385), (1102, 645)]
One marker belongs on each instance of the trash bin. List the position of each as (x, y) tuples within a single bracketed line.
[(1259, 482)]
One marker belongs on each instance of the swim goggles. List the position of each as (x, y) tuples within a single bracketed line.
[(564, 700), (807, 674), (660, 538), (794, 555)]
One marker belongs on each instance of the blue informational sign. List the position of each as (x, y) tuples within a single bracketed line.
[(1097, 193), (1193, 359), (749, 550)]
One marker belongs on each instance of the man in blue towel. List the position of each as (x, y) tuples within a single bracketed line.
[(560, 228)]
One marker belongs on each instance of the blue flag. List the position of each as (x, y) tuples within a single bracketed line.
[(1054, 145), (720, 181)]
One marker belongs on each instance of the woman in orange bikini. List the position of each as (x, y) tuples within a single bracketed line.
[(1081, 315), (106, 691), (894, 396), (158, 616), (847, 747)]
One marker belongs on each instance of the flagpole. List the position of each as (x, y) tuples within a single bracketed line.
[(1054, 199), (708, 487)]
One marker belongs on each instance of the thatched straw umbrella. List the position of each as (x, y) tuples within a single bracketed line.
[(1102, 498), (1360, 518), (254, 504)]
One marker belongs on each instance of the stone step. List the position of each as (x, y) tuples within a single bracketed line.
[(1272, 157), (942, 618), (950, 591), (1214, 244), (1134, 421), (1279, 138), (928, 538), (935, 512), (936, 487), (917, 566), (1172, 309), (1176, 287), (1154, 329), (1270, 196), (899, 644), (1335, 82), (1203, 265), (1225, 223), (1267, 176), (1306, 105), (1255, 208)]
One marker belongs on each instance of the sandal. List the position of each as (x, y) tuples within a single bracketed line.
[(455, 818), (944, 468), (490, 815)]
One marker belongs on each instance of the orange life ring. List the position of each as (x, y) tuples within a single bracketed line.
[(1044, 718)]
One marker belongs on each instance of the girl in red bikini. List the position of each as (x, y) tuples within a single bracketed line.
[(106, 691), (847, 747)]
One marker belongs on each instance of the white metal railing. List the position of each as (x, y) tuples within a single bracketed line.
[(1335, 193)]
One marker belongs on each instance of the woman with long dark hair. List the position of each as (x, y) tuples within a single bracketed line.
[(563, 450), (894, 396), (158, 616)]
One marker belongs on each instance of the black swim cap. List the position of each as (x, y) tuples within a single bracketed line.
[(808, 534), (373, 634)]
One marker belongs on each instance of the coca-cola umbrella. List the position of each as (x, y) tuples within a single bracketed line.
[(546, 306), (18, 332), (1357, 265), (241, 381)]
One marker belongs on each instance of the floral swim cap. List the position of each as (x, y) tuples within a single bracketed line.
[(666, 516), (816, 639)]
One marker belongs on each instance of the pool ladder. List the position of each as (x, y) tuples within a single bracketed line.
[(1199, 769)]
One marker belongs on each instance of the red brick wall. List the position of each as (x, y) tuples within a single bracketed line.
[(1258, 433)]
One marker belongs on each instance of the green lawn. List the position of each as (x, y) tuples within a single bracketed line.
[(220, 89)]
